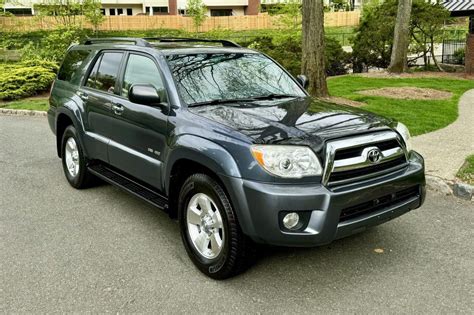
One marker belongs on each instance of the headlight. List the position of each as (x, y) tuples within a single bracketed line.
[(405, 133), (287, 160)]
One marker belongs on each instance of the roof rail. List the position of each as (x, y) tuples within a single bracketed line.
[(135, 41), (223, 42)]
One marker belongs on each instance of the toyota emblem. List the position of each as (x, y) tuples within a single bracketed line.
[(374, 156)]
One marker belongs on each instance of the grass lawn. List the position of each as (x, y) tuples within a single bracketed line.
[(31, 104), (421, 116), (466, 173)]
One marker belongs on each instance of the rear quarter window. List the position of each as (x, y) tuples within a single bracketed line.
[(71, 64)]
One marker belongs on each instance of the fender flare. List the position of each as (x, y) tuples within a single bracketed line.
[(72, 111), (190, 147)]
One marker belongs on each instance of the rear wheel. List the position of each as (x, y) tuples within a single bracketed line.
[(74, 161), (210, 230)]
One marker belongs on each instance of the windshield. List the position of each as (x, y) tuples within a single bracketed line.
[(205, 78)]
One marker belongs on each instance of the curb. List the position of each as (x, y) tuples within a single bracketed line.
[(449, 187), (22, 112)]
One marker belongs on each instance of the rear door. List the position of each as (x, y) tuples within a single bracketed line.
[(139, 137), (99, 92)]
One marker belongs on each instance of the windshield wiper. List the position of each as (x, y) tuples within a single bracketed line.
[(222, 101), (272, 96)]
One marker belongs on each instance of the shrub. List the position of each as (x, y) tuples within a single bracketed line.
[(53, 46), (287, 51), (25, 79), (459, 56)]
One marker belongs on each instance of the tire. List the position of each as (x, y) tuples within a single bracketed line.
[(74, 161), (236, 252)]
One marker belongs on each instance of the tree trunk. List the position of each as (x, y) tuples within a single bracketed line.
[(313, 63), (401, 40), (433, 55)]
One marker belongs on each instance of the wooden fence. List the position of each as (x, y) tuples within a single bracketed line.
[(142, 22)]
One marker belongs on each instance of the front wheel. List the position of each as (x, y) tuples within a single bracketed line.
[(210, 230)]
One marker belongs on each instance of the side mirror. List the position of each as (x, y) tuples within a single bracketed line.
[(144, 94), (303, 80)]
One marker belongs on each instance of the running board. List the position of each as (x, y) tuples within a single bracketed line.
[(129, 185)]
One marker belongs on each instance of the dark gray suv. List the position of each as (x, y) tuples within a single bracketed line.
[(230, 144)]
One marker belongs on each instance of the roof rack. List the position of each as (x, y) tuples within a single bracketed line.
[(225, 43), (136, 41)]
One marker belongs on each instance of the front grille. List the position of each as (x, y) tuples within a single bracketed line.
[(350, 174), (357, 151), (358, 158), (379, 203)]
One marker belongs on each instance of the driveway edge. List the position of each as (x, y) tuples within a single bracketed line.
[(22, 112)]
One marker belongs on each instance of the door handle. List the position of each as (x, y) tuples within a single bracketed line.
[(84, 96), (117, 109)]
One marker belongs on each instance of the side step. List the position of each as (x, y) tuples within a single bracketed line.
[(129, 185)]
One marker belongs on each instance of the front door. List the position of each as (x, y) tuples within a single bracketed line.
[(139, 135)]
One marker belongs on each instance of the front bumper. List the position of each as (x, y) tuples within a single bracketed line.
[(258, 205)]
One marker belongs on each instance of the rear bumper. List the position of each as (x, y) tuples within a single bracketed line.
[(260, 206)]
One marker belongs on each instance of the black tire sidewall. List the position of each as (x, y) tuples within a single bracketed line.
[(204, 184), (78, 180)]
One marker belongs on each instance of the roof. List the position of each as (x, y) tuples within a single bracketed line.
[(459, 7)]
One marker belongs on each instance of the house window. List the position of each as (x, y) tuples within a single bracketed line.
[(129, 11), (160, 10), (221, 12), (112, 11), (119, 11), (102, 11), (19, 11), (182, 12)]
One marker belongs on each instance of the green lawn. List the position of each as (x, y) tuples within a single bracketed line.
[(420, 116), (466, 173), (31, 104)]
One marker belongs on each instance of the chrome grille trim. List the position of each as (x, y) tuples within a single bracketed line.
[(370, 140)]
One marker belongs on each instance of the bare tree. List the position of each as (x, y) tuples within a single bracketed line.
[(401, 40), (313, 61)]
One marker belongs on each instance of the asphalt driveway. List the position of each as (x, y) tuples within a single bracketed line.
[(102, 250)]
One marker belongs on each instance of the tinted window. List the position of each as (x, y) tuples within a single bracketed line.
[(106, 73), (207, 77), (142, 70), (71, 63), (91, 79)]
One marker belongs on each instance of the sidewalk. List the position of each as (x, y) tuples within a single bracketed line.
[(445, 150)]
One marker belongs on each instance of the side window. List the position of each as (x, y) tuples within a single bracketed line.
[(71, 64), (142, 70), (104, 74), (92, 76)]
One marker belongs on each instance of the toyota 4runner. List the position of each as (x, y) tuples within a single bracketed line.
[(229, 143)]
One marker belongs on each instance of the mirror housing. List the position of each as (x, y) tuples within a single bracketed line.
[(144, 94), (303, 80)]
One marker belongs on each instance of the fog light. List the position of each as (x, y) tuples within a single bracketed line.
[(291, 220)]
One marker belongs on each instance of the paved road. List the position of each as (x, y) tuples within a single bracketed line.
[(102, 250)]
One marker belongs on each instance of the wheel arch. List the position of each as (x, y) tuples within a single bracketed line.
[(196, 155), (66, 116)]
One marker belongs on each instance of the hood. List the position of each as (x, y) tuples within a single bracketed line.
[(302, 120)]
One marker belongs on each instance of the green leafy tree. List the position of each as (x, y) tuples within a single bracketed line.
[(374, 36), (373, 42), (426, 26), (92, 13), (65, 12), (197, 11), (288, 11)]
